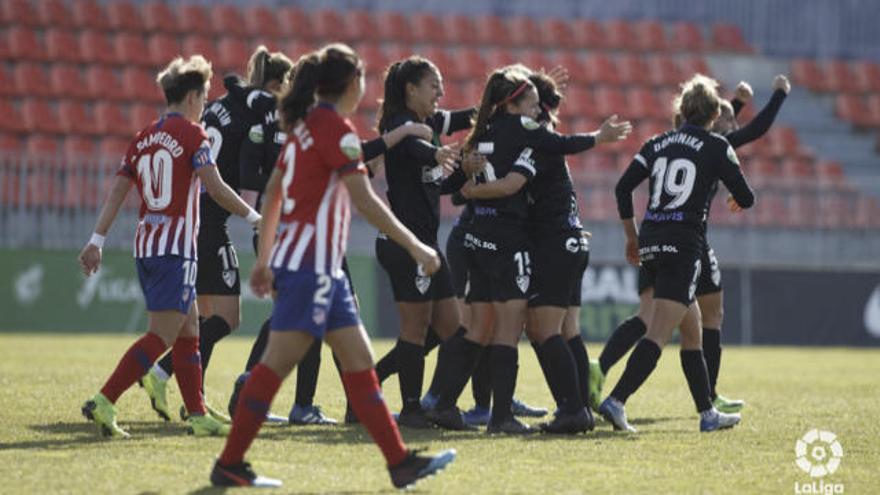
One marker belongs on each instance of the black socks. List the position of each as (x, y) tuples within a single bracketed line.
[(211, 331), (504, 366), (441, 369), (388, 365), (561, 374), (698, 380), (462, 358), (411, 373), (582, 365), (307, 375), (641, 363), (712, 353), (481, 384), (624, 337), (259, 346)]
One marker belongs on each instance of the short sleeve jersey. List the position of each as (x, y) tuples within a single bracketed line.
[(316, 209), (162, 161)]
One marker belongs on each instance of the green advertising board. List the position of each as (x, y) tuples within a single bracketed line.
[(44, 290)]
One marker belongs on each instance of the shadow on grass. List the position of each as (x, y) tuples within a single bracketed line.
[(83, 432), (214, 490)]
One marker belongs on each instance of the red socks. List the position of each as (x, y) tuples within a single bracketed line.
[(134, 364), (365, 396), (188, 371), (253, 404)]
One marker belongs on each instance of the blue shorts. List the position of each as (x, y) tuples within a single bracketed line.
[(168, 282), (313, 303)]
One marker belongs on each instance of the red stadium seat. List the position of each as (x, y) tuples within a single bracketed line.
[(694, 64), (67, 82), (296, 49), (358, 25), (61, 45), (663, 71), (495, 58), (7, 84), (460, 28), (95, 47), (577, 69), (470, 64), (88, 14), (227, 20), (41, 145), (200, 45), (393, 26), (610, 100), (728, 37), (770, 210), (620, 35), (74, 118), (31, 80), (851, 109), (536, 59), (295, 23), (143, 114), (556, 33), (453, 95), (9, 143), (442, 60), (19, 13), (578, 102), (588, 33), (161, 49), (217, 89), (602, 68), (650, 36), (55, 13), (472, 92), (39, 116), (643, 104), (523, 31), (24, 44), (872, 108), (798, 172), (430, 28), (140, 86), (840, 77), (261, 21), (830, 173), (807, 73), (113, 147), (158, 17), (110, 119), (193, 18), (232, 55), (633, 69), (78, 147), (867, 75), (374, 58), (687, 37), (491, 30), (10, 117), (373, 93), (104, 84), (125, 16), (131, 49)]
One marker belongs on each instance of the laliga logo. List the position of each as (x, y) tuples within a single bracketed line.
[(818, 454)]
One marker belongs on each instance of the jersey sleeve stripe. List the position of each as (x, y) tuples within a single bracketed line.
[(447, 120), (304, 239), (639, 158)]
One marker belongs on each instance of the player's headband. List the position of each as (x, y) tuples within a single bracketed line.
[(518, 91)]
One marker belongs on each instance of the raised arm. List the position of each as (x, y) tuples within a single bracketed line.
[(762, 122)]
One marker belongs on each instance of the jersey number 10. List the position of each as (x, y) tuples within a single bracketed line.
[(677, 179), (156, 173)]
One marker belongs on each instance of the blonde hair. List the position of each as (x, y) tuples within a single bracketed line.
[(264, 66), (181, 76), (698, 103)]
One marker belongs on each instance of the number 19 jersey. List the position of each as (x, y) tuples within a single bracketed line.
[(162, 161), (316, 210)]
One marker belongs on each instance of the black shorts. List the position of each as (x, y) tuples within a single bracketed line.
[(408, 282), (710, 275), (671, 269), (558, 265), (499, 264), (456, 255), (218, 263)]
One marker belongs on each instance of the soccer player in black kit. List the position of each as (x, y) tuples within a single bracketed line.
[(499, 258), (684, 166), (709, 289), (227, 121)]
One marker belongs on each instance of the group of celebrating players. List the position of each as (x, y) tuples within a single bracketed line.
[(278, 142)]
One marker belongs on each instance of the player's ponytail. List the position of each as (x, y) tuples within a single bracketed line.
[(503, 87), (326, 73), (301, 95), (265, 67), (548, 95), (409, 71), (699, 102)]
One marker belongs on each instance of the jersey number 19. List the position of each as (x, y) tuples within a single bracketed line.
[(677, 178)]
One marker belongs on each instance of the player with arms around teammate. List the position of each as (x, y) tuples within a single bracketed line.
[(168, 161), (227, 121), (319, 173), (684, 166)]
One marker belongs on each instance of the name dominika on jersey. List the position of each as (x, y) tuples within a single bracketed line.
[(316, 210), (162, 161)]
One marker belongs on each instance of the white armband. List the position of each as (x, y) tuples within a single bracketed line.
[(253, 217), (97, 240)]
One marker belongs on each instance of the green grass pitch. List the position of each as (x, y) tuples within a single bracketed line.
[(47, 447)]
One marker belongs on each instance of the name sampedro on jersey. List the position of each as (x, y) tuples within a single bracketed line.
[(162, 161), (316, 210)]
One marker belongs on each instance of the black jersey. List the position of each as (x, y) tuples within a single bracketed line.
[(511, 143), (553, 205), (683, 166), (414, 179), (227, 121)]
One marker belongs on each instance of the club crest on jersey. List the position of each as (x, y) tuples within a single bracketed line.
[(229, 277), (529, 123), (522, 281), (423, 282), (256, 134), (350, 145), (319, 316)]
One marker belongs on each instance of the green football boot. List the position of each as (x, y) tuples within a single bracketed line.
[(597, 381), (155, 389), (211, 410), (206, 426), (100, 410), (726, 405)]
